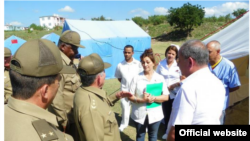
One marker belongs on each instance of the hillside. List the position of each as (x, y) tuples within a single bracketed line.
[(165, 32), (162, 32)]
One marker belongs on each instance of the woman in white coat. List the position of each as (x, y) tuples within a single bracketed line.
[(169, 69), (143, 113)]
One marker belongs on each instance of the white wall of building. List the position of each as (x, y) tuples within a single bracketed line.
[(51, 21), (12, 27)]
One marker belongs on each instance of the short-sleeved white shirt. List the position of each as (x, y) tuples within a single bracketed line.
[(139, 110), (126, 71), (171, 75), (200, 100)]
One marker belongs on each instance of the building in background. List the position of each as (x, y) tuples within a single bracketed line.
[(9, 27), (51, 21)]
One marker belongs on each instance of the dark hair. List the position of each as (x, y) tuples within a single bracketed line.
[(129, 46), (174, 48), (197, 50), (148, 53), (24, 87), (86, 80), (59, 43)]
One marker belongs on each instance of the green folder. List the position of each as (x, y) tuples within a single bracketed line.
[(154, 90)]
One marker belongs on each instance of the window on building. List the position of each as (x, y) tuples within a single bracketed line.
[(48, 18), (49, 24)]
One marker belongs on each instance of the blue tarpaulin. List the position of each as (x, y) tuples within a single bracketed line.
[(52, 37), (13, 43), (108, 38)]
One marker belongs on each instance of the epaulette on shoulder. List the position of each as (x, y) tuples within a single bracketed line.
[(44, 130)]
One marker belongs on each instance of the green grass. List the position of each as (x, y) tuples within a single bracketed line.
[(29, 36)]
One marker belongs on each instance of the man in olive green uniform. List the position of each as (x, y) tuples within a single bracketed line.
[(7, 84), (92, 112), (35, 80), (62, 105)]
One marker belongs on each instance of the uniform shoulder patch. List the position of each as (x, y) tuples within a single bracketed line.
[(44, 130)]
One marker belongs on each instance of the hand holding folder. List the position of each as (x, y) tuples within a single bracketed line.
[(154, 90)]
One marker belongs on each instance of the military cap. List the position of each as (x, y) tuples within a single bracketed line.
[(71, 37), (7, 52), (38, 58), (92, 64)]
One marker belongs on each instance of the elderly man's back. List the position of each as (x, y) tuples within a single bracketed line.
[(205, 93)]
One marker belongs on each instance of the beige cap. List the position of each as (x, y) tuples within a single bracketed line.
[(71, 37), (7, 52), (92, 64), (38, 58)]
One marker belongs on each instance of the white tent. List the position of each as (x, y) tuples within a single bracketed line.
[(234, 41)]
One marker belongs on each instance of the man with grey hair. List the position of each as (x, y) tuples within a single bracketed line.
[(192, 104), (225, 70), (94, 118)]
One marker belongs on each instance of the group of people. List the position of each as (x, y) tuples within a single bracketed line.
[(50, 98), (196, 75)]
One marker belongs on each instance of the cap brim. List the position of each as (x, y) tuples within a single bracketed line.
[(67, 70), (78, 45), (107, 65)]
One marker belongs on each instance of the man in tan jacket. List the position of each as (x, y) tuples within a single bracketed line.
[(34, 75), (62, 105), (92, 112)]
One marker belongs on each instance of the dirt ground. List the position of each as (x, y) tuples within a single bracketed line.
[(238, 114)]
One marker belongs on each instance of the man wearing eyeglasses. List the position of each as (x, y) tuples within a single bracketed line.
[(62, 105)]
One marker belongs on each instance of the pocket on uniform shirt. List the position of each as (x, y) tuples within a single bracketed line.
[(110, 123), (75, 83)]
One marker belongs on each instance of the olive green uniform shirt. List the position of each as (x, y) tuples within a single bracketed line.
[(62, 105), (7, 86), (25, 121), (93, 115)]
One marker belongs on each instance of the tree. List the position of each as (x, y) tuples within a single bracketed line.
[(139, 21), (239, 12), (101, 18), (228, 18), (39, 28), (186, 17), (157, 19), (34, 26)]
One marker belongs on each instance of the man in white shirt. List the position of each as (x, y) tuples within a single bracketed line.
[(201, 96), (125, 72)]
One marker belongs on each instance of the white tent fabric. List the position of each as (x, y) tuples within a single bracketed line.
[(234, 39)]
